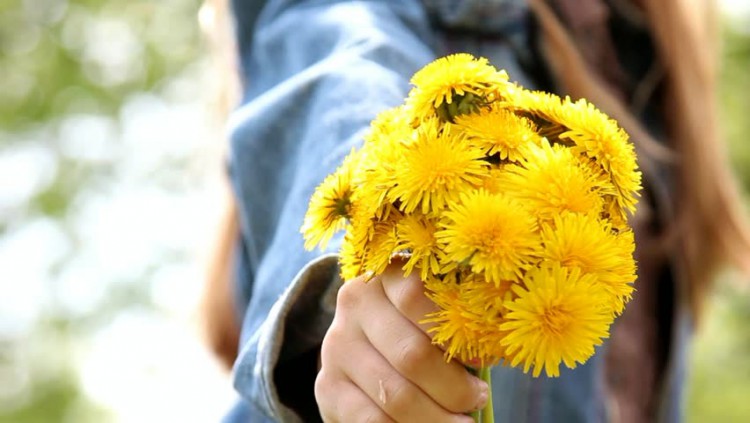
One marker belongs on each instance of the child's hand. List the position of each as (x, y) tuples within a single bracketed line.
[(378, 364)]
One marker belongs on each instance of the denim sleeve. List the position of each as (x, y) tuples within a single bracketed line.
[(316, 73)]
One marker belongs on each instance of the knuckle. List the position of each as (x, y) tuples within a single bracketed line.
[(375, 416), (463, 398), (399, 396), (409, 292), (411, 356), (330, 345), (348, 296), (323, 388)]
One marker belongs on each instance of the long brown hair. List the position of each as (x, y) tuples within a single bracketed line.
[(220, 320), (708, 228)]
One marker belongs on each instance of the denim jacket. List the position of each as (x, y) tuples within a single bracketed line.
[(315, 74)]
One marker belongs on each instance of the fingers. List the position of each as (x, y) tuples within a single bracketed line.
[(400, 399), (340, 400), (407, 294), (411, 352), (378, 364)]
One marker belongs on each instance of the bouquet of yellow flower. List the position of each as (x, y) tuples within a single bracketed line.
[(511, 204)]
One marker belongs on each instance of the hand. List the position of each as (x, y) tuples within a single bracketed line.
[(378, 363)]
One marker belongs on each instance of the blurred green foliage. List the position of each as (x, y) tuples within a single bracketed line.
[(51, 392), (63, 58), (59, 57), (719, 387), (735, 98), (720, 375)]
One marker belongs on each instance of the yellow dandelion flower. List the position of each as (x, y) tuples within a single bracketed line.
[(392, 124), (482, 294), (416, 234), (455, 327), (434, 170), (362, 225), (495, 234), (454, 85), (369, 241), (618, 160), (499, 131), (464, 323), (330, 205), (384, 146), (557, 318), (366, 202), (471, 312), (594, 135), (351, 257), (381, 246), (493, 183), (552, 181), (615, 213), (589, 244)]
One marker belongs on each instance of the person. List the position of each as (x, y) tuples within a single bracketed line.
[(306, 347)]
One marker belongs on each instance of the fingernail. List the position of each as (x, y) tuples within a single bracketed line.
[(484, 393)]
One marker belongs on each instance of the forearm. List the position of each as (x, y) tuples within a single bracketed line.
[(318, 73)]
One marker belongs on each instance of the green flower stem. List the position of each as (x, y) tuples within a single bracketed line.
[(485, 415), (488, 414)]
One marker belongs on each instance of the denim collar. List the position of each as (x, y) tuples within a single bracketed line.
[(488, 17)]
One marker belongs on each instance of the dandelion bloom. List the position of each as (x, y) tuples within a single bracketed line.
[(330, 205), (351, 258), (467, 322), (495, 234), (552, 180), (589, 244), (594, 134), (460, 80), (435, 170), (416, 235), (499, 131), (558, 317)]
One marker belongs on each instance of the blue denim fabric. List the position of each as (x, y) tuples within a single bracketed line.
[(315, 74)]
